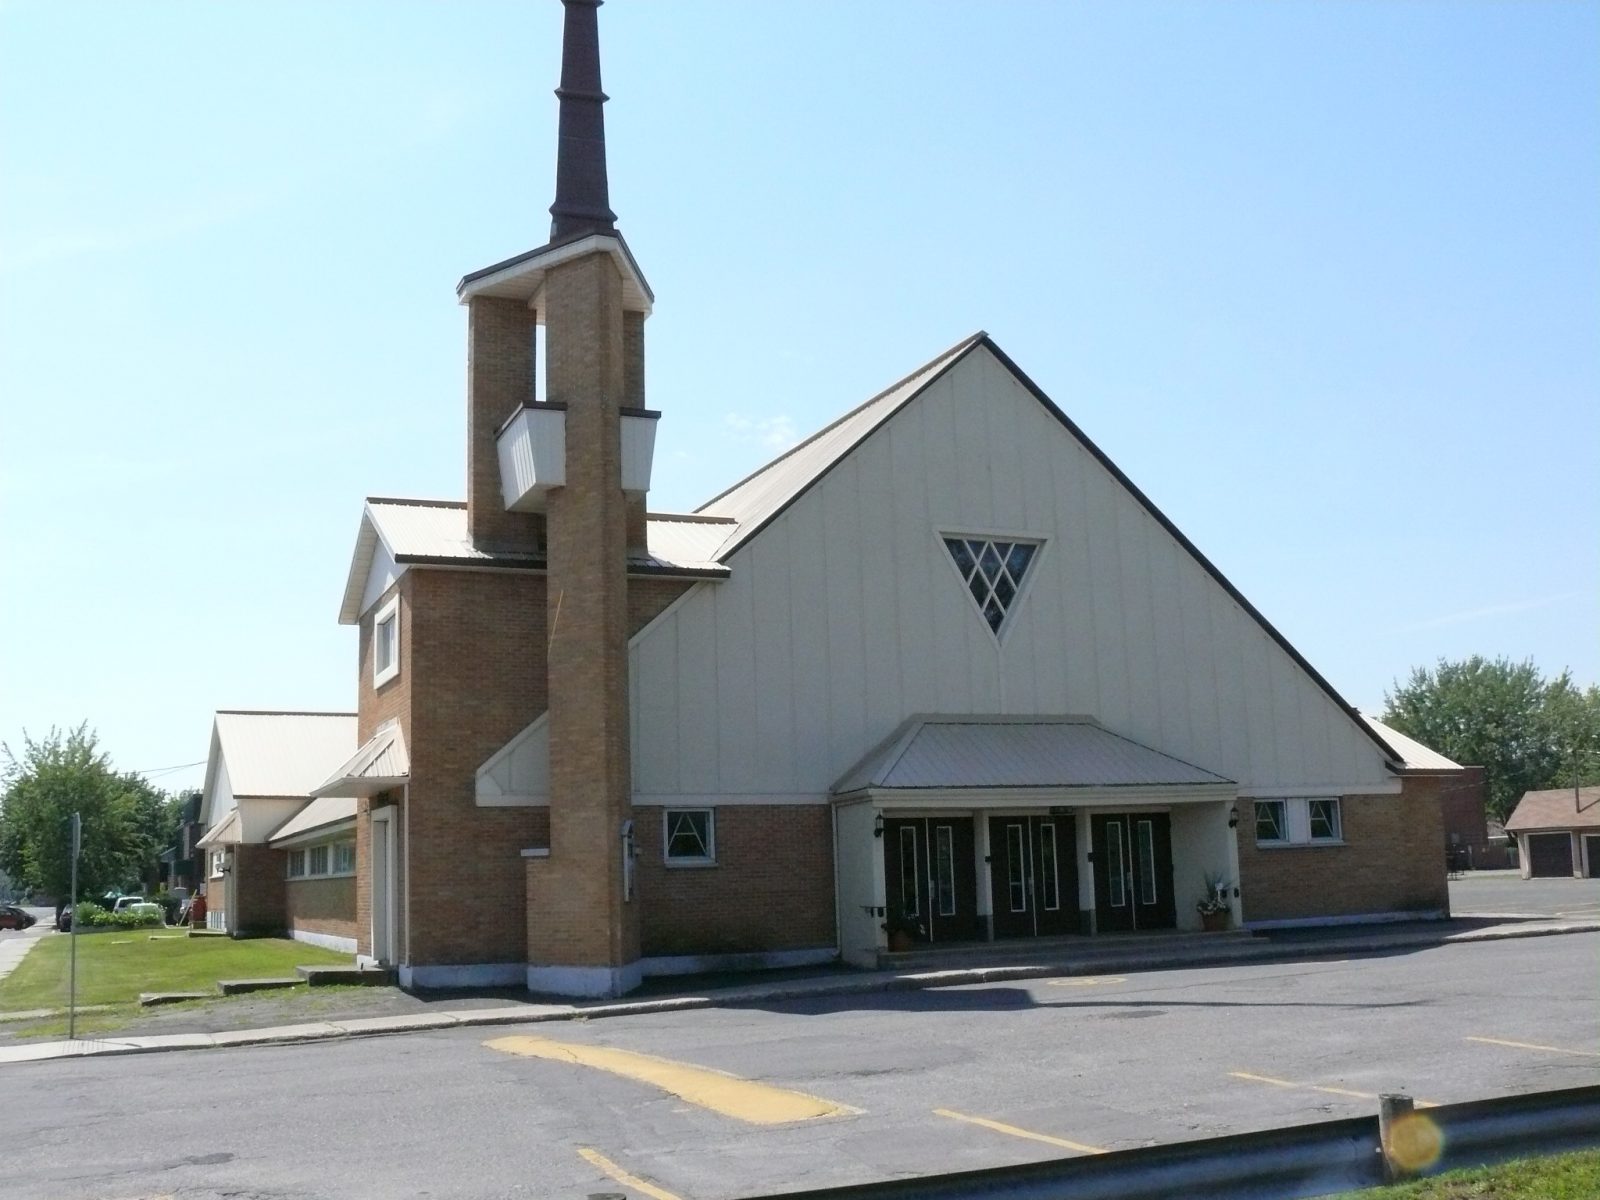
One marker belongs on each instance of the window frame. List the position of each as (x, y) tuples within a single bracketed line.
[(219, 859), (334, 868), (1336, 822), (297, 859), (709, 858), (1296, 826), (1281, 824), (1020, 587), (388, 611)]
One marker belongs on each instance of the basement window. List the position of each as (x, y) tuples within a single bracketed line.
[(386, 643), (689, 837), (993, 571)]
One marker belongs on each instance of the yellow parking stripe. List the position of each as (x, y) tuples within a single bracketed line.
[(1001, 1127), (741, 1099), (1535, 1046), (623, 1177), (1087, 982), (1314, 1087)]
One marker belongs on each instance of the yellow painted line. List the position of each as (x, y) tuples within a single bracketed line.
[(1002, 1127), (1535, 1046), (1314, 1087), (623, 1177), (1088, 982), (741, 1099)]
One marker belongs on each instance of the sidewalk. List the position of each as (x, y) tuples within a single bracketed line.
[(14, 949), (1124, 956)]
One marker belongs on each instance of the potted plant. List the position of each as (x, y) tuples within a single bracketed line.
[(902, 929), (1214, 908)]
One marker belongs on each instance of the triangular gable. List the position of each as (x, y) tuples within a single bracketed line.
[(762, 497)]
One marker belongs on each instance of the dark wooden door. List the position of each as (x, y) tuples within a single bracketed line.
[(1549, 854), (1033, 869), (930, 876), (1132, 871)]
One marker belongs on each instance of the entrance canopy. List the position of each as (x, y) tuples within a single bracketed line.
[(1020, 759)]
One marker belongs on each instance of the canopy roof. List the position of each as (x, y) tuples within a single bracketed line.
[(381, 763)]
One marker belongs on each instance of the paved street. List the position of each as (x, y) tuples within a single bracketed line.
[(903, 1083), (1502, 892)]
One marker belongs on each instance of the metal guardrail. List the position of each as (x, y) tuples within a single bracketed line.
[(1274, 1164)]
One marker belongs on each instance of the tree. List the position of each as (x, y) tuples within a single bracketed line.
[(65, 773), (1528, 733)]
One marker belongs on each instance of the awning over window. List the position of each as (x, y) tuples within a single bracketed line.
[(382, 763), (227, 833), (930, 753)]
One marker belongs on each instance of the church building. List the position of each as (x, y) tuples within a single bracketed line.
[(941, 673)]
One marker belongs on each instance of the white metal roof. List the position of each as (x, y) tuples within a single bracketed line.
[(754, 500), (320, 813), (283, 754), (380, 764), (1016, 752), (1417, 756)]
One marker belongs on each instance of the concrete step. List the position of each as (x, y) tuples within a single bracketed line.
[(152, 999), (358, 976), (237, 987), (208, 933)]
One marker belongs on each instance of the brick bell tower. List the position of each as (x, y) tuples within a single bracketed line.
[(564, 480)]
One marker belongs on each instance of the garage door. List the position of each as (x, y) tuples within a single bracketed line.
[(1550, 854), (1591, 847)]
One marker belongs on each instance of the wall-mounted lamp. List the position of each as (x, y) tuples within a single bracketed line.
[(1233, 818), (877, 825)]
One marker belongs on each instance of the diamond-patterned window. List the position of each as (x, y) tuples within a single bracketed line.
[(993, 572)]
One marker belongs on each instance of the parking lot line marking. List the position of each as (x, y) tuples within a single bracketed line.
[(1002, 1127), (729, 1095), (595, 1158), (1316, 1087), (1087, 982), (1535, 1046)]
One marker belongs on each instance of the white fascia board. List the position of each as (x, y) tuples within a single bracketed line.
[(1099, 798), (307, 837), (522, 278), (213, 763), (1281, 791), (372, 553)]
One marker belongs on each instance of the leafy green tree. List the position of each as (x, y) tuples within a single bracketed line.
[(1528, 733), (51, 779)]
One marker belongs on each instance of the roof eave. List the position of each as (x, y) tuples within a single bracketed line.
[(522, 276)]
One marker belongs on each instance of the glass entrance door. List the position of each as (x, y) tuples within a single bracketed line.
[(930, 876), (1132, 871), (1033, 871)]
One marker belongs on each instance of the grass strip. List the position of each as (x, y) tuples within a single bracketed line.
[(1562, 1177)]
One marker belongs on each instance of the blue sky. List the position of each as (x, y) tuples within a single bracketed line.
[(1324, 279)]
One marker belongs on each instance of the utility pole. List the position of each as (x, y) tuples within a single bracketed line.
[(72, 933)]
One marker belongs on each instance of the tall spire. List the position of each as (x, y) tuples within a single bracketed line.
[(582, 204)]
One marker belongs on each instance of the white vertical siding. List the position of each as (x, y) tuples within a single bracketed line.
[(844, 616)]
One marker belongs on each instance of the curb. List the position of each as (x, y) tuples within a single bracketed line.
[(531, 1014)]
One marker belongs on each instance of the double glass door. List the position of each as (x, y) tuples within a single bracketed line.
[(1132, 871), (930, 876), (1033, 868)]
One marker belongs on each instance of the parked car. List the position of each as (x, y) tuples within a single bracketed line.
[(12, 917), (124, 903)]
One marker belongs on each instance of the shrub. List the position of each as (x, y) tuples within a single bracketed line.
[(92, 916)]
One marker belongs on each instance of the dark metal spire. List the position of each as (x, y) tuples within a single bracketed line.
[(583, 205)]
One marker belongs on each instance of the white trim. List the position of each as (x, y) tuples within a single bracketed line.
[(1277, 791), (754, 960), (719, 799), (1037, 541), (537, 852), (1297, 822), (1142, 799), (462, 975), (389, 608), (585, 981), (1378, 918), (709, 858), (322, 833), (328, 941)]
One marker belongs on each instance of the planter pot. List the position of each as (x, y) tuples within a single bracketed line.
[(899, 941), (1216, 922)]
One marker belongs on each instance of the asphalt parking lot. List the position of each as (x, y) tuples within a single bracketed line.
[(1503, 893), (675, 1105)]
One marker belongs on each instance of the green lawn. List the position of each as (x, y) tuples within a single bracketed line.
[(1565, 1177), (114, 967)]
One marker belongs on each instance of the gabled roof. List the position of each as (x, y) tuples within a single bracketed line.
[(381, 763), (1415, 756), (434, 533), (1557, 808), (277, 754), (1016, 752)]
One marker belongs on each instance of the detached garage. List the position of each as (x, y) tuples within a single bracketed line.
[(1558, 833)]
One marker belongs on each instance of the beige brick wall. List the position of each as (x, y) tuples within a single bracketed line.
[(772, 887), (325, 906), (1392, 861)]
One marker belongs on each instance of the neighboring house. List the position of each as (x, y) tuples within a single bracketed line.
[(1558, 832), (179, 862), (276, 859), (942, 663)]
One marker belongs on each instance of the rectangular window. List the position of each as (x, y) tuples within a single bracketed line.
[(216, 863), (1147, 862), (386, 642), (1325, 820), (1016, 880), (297, 864), (1272, 822), (908, 872), (317, 860), (344, 858), (1049, 878), (944, 869), (689, 837)]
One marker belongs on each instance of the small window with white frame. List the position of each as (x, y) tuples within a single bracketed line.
[(689, 837), (218, 858), (344, 858), (386, 642), (317, 860), (1299, 821), (297, 864)]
